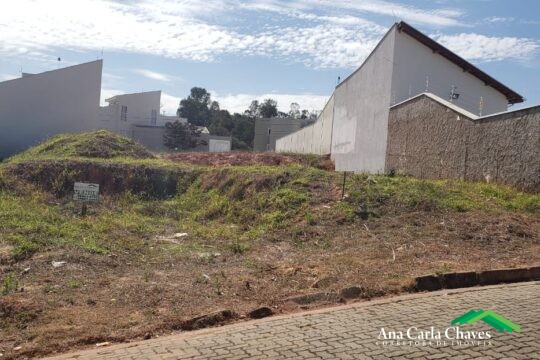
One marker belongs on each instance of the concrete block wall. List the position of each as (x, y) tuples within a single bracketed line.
[(429, 139), (313, 139)]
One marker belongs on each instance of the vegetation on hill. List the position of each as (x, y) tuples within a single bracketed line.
[(238, 203), (96, 144)]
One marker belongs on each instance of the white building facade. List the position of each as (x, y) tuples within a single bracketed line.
[(126, 111), (37, 106)]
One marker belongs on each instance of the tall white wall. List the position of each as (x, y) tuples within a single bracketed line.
[(313, 139), (37, 106), (361, 108), (418, 69)]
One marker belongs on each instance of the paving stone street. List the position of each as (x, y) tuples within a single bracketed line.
[(351, 331)]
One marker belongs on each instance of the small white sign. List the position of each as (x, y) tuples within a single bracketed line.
[(85, 192)]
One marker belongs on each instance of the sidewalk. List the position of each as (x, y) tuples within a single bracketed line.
[(351, 331)]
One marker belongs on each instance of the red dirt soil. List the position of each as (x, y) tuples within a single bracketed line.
[(235, 158)]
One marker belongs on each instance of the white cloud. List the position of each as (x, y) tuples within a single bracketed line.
[(476, 47), (499, 19), (439, 17), (108, 93), (174, 32), (325, 33), (111, 77), (240, 102), (169, 103), (154, 75)]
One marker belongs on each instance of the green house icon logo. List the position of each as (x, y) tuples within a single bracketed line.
[(489, 317)]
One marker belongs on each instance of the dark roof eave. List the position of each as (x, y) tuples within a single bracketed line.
[(512, 96)]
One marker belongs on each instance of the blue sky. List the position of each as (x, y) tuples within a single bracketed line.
[(291, 50)]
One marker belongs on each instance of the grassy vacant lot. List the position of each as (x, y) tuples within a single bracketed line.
[(256, 235)]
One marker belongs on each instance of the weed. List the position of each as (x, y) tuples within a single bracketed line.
[(47, 289), (310, 219), (250, 264), (9, 284), (218, 285), (445, 268), (344, 212), (74, 284), (275, 219), (147, 275), (239, 247)]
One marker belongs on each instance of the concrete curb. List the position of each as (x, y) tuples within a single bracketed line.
[(472, 278), (248, 322)]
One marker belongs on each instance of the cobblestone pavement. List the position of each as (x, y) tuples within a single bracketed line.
[(351, 331)]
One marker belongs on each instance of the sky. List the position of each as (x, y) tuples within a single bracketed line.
[(289, 50)]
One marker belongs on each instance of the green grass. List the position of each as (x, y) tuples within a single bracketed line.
[(217, 206), (31, 219), (379, 191), (239, 247), (9, 284), (310, 218)]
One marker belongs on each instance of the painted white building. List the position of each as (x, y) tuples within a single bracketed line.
[(37, 106), (125, 111), (405, 63)]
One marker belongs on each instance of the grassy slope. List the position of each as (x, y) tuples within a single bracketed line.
[(96, 144), (277, 230), (241, 204), (255, 200)]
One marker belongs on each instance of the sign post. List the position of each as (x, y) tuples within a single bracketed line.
[(85, 193), (343, 186)]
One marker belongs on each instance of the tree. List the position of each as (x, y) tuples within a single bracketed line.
[(268, 108), (214, 106), (196, 107), (295, 110), (221, 123), (180, 136), (243, 131), (253, 110)]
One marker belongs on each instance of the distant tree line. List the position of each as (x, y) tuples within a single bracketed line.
[(200, 110)]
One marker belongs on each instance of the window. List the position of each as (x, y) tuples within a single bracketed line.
[(123, 114), (153, 118)]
